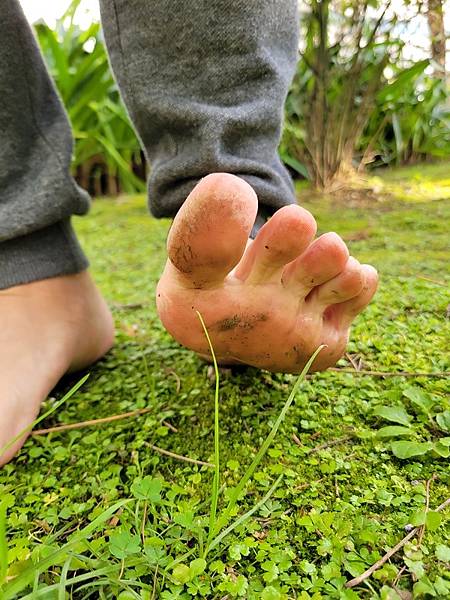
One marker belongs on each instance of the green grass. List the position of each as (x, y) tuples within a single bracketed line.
[(417, 183), (97, 513)]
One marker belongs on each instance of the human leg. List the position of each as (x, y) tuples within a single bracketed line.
[(204, 83), (52, 318), (37, 193)]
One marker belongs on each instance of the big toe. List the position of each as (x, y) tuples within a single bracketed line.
[(210, 232)]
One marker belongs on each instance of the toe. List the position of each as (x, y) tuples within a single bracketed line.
[(325, 258), (348, 284), (210, 232), (288, 233), (343, 314)]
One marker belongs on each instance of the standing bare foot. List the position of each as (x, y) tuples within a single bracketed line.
[(47, 328), (268, 303)]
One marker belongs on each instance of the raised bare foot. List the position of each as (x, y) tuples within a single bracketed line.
[(47, 328), (268, 303)]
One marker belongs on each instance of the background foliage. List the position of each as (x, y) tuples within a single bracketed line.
[(355, 99), (105, 142)]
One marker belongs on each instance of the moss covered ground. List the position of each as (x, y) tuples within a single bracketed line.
[(363, 457)]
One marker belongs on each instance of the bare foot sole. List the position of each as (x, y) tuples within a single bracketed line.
[(268, 303), (47, 328)]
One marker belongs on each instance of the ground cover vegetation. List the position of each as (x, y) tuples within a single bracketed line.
[(147, 477), (133, 507)]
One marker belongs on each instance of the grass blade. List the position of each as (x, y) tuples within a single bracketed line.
[(243, 517), (47, 592), (3, 545), (28, 428), (215, 524), (63, 579), (262, 451), (20, 582), (216, 479)]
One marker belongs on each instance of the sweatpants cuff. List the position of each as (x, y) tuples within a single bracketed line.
[(46, 253)]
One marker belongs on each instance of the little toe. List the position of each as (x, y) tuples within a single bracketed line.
[(348, 284), (343, 314), (210, 232), (286, 235), (325, 258)]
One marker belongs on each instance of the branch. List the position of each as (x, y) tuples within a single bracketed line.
[(377, 24), (117, 418), (390, 373), (330, 443), (391, 552), (133, 413), (194, 461)]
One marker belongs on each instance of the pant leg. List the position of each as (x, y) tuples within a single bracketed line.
[(205, 82), (37, 193)]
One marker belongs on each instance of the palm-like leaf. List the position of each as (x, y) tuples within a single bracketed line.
[(100, 124)]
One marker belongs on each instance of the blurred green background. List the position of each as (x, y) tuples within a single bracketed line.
[(371, 90)]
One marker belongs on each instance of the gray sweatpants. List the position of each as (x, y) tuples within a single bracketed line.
[(204, 82)]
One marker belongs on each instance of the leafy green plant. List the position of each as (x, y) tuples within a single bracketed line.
[(78, 63), (410, 120), (3, 544), (428, 412), (346, 49), (343, 113)]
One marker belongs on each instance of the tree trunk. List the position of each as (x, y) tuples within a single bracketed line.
[(435, 16)]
